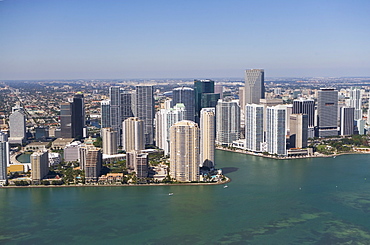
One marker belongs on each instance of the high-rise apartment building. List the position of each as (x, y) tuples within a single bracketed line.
[(355, 101), (139, 163), (207, 137), (66, 120), (109, 137), (126, 105), (17, 126), (4, 158), (254, 115), (205, 96), (133, 137), (92, 164), (115, 110), (185, 96), (347, 115), (254, 86), (143, 108), (105, 114), (327, 112), (39, 166), (184, 151), (276, 130), (164, 119), (227, 122), (298, 130)]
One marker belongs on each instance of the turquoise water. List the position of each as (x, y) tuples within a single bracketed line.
[(24, 158), (305, 201)]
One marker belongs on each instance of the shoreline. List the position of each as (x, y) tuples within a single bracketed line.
[(123, 185), (289, 158)]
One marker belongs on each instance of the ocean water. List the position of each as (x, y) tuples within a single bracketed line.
[(303, 201)]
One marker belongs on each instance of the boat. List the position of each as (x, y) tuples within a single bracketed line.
[(170, 194), (225, 186)]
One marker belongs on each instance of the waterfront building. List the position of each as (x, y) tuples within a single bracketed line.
[(39, 166), (164, 119), (139, 162), (205, 96), (242, 106), (355, 101), (276, 130), (360, 124), (254, 121), (207, 137), (4, 158), (71, 152), (227, 122), (92, 162), (109, 138), (254, 86), (185, 96), (105, 114), (327, 112), (143, 108), (347, 115), (17, 126), (133, 137), (184, 151), (298, 130)]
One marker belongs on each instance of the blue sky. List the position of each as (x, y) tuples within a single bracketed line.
[(103, 39)]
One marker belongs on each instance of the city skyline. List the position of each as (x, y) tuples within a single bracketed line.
[(143, 39)]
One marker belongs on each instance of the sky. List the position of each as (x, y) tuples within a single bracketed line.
[(111, 39)]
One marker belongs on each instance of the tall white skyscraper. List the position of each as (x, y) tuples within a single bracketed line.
[(133, 137), (143, 108), (109, 137), (254, 86), (164, 119), (276, 130), (355, 101), (184, 151), (4, 158), (17, 125), (254, 127), (207, 137), (227, 121)]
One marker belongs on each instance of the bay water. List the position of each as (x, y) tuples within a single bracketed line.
[(301, 201)]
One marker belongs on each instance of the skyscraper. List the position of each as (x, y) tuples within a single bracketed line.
[(17, 125), (355, 101), (105, 114), (254, 86), (109, 137), (4, 158), (92, 164), (276, 131), (327, 112), (139, 163), (207, 137), (126, 105), (298, 130), (78, 115), (115, 110), (185, 96), (133, 137), (305, 106), (39, 166), (205, 96), (254, 127), (227, 122), (72, 117), (184, 151), (347, 115), (164, 119), (143, 108)]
